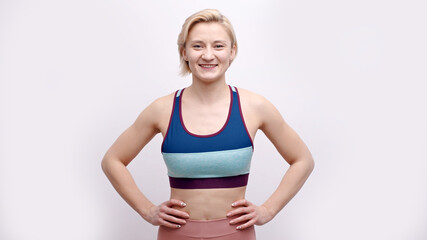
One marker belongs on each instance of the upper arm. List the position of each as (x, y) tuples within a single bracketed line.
[(283, 137), (134, 138)]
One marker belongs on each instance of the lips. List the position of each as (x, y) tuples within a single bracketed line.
[(208, 66)]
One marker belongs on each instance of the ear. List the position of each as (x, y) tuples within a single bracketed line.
[(184, 54), (233, 52)]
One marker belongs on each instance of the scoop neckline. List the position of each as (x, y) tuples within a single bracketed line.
[(210, 134)]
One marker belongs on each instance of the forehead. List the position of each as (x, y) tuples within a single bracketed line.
[(208, 31)]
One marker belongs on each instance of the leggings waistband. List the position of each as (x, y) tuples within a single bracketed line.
[(204, 228)]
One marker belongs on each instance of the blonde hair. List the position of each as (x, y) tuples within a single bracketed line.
[(204, 16)]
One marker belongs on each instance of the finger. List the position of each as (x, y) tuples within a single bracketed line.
[(175, 212), (246, 225), (241, 210), (243, 218), (171, 219), (242, 202), (175, 202), (234, 212), (168, 224)]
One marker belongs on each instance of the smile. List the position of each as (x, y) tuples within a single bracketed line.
[(208, 66)]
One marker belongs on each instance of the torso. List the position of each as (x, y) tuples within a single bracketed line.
[(207, 204), (202, 119)]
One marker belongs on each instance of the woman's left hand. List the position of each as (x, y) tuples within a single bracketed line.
[(249, 214)]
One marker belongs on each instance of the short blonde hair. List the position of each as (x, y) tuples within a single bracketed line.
[(204, 16)]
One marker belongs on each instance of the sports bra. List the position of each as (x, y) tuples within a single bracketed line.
[(218, 160)]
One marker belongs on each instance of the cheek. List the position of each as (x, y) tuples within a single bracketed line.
[(225, 54), (225, 58), (193, 56)]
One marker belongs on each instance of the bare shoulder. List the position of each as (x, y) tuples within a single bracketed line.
[(157, 114), (260, 109), (163, 102), (255, 108), (254, 101)]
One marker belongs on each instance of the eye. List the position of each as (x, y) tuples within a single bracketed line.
[(197, 46), (219, 46)]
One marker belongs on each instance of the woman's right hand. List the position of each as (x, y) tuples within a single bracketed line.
[(167, 216)]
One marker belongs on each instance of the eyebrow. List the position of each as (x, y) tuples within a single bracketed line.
[(216, 41)]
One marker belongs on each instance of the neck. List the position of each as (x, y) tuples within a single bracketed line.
[(208, 92)]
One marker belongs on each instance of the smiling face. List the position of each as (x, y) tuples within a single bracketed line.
[(208, 51)]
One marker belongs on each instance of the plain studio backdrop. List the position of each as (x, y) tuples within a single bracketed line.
[(348, 76)]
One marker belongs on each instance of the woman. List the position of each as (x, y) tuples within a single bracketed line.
[(208, 131)]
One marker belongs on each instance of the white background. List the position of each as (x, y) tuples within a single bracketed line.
[(348, 76)]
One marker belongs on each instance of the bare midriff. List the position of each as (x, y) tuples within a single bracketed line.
[(208, 204)]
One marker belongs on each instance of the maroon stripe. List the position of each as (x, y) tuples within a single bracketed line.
[(201, 183), (207, 135)]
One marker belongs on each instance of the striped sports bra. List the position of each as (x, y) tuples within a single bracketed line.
[(218, 160)]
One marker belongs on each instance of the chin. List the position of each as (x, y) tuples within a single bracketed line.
[(211, 78)]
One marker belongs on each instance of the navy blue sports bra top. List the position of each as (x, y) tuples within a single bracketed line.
[(219, 160)]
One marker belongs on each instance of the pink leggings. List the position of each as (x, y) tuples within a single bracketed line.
[(218, 229)]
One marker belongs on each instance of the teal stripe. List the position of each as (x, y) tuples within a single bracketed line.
[(178, 93), (209, 164)]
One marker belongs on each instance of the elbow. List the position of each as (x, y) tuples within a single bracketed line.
[(311, 164), (307, 163), (104, 165), (110, 165)]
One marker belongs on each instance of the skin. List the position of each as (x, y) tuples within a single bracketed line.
[(205, 105)]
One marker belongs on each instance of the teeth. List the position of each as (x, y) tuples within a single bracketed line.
[(207, 66)]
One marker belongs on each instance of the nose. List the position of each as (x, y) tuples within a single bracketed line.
[(208, 54)]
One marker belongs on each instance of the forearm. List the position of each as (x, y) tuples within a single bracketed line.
[(123, 182), (291, 183)]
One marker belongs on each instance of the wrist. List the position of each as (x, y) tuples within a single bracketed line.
[(271, 213), (144, 212)]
